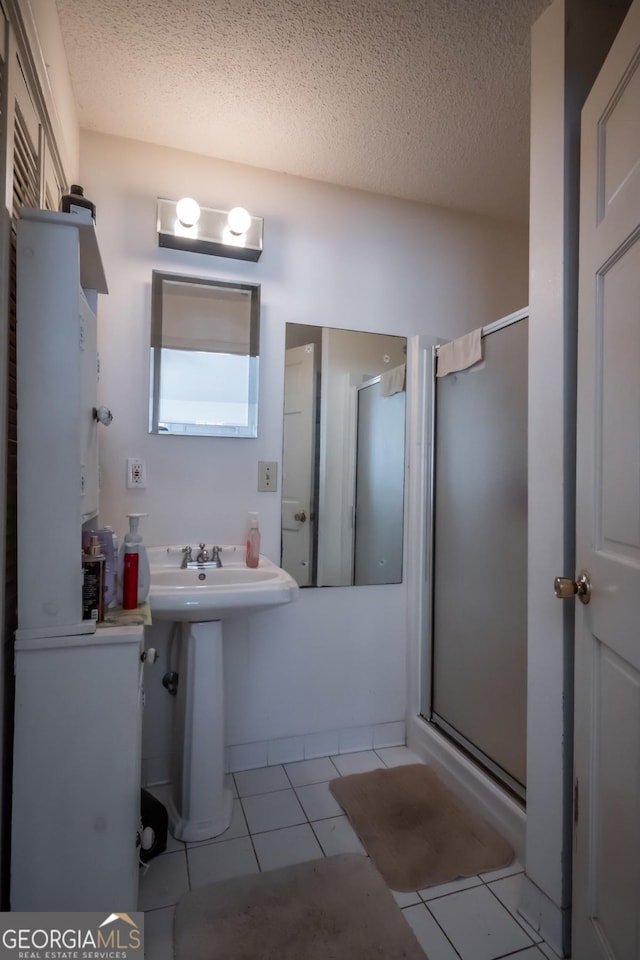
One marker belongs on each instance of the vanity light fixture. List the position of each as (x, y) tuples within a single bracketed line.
[(185, 225)]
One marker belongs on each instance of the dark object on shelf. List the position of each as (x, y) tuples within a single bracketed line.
[(153, 814), (75, 200)]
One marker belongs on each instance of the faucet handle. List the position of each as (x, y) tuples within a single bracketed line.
[(186, 556), (215, 556)]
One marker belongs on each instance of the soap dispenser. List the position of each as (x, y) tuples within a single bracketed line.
[(133, 566), (253, 542)]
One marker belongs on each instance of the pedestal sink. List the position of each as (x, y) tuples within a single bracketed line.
[(200, 598)]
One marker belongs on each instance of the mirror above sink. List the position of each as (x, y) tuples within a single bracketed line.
[(205, 340), (343, 461)]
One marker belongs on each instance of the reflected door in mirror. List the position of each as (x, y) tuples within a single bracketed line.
[(343, 480), (298, 463)]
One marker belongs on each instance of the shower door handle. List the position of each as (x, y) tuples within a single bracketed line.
[(566, 589)]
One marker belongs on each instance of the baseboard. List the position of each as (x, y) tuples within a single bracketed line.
[(469, 782), (550, 921), (266, 753)]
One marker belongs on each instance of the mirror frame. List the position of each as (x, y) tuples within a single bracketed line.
[(158, 278)]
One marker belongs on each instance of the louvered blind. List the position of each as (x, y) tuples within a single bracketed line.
[(25, 193)]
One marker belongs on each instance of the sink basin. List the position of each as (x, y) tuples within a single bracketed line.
[(214, 593)]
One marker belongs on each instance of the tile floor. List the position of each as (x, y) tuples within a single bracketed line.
[(285, 814)]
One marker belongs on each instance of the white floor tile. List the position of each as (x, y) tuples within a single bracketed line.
[(510, 871), (164, 882), (428, 934), (318, 802), (237, 828), (547, 951), (337, 836), (478, 926), (173, 845), (231, 784), (158, 934), (281, 848), (397, 756), (271, 811), (406, 899), (442, 889), (263, 780), (362, 762), (221, 861), (508, 893), (533, 953), (310, 771)]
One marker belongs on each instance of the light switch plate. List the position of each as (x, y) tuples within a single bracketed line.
[(267, 476)]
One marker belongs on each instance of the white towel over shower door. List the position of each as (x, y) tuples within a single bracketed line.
[(480, 555)]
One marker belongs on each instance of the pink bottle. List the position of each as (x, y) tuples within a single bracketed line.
[(253, 541)]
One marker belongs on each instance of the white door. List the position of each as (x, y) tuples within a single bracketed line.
[(606, 917), (298, 463)]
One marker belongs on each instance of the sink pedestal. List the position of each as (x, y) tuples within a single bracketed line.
[(201, 805)]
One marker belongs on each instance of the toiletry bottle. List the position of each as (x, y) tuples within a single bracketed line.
[(105, 539), (93, 582), (110, 574), (133, 567), (253, 541), (75, 200)]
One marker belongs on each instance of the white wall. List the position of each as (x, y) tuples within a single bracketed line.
[(336, 659)]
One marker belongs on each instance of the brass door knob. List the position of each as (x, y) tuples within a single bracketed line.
[(565, 589), (300, 517)]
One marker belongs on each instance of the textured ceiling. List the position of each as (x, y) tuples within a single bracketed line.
[(422, 99)]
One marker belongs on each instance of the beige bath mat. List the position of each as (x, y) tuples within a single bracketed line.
[(338, 908), (416, 830)]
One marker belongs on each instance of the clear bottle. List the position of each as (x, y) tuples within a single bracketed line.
[(253, 541)]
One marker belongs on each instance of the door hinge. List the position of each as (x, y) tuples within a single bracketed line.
[(575, 802)]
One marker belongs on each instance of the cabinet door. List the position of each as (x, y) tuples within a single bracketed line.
[(76, 788)]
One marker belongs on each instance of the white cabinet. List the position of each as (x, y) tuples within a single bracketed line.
[(76, 774), (78, 710), (59, 273)]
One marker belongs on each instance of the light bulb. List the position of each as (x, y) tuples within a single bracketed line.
[(232, 238), (187, 211), (239, 220)]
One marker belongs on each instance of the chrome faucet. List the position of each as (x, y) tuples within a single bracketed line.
[(216, 560), (203, 556), (186, 557)]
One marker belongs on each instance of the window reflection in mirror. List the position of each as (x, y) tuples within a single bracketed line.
[(204, 356), (343, 456)]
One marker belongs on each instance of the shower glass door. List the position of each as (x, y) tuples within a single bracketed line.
[(479, 650)]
